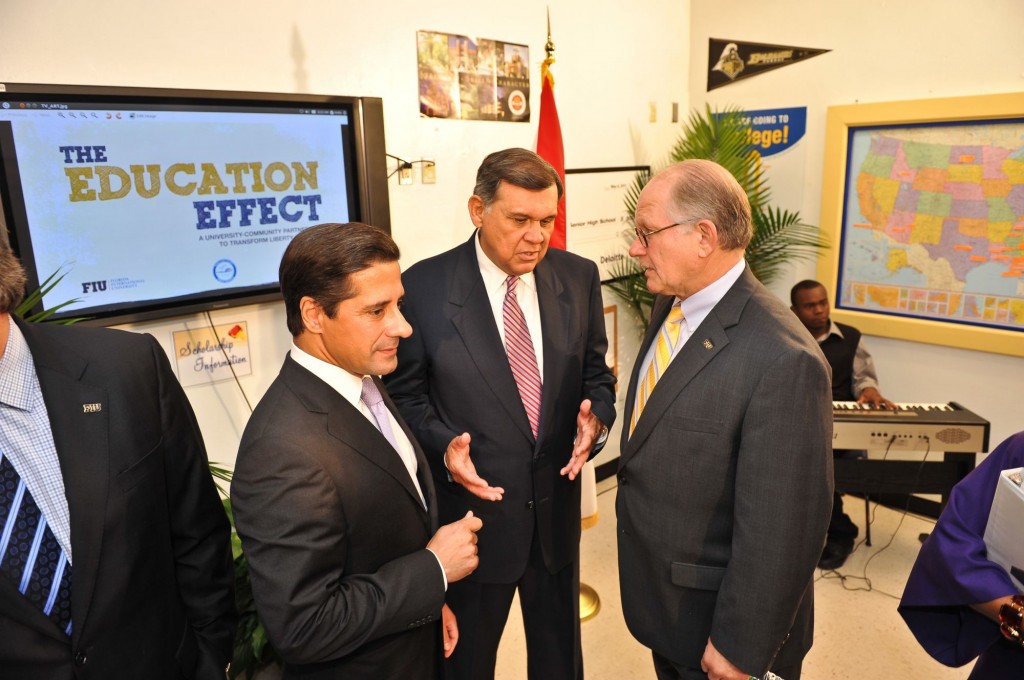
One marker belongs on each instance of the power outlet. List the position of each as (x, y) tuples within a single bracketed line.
[(405, 174), (429, 172)]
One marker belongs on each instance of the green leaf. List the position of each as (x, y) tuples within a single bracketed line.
[(35, 298)]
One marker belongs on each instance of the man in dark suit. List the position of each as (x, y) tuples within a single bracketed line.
[(725, 479), (115, 560), (330, 493), (505, 380)]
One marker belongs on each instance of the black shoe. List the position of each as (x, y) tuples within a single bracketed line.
[(835, 553)]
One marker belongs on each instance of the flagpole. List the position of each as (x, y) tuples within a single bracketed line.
[(550, 148)]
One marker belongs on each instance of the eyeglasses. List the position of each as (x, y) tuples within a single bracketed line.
[(644, 236)]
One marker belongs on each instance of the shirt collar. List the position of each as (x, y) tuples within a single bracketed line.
[(341, 381), (17, 372), (697, 306), (493, 276), (833, 329)]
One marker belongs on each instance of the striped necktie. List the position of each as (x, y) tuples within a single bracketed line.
[(521, 355), (668, 336), (30, 556)]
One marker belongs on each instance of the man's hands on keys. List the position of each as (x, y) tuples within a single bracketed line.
[(872, 396), (462, 470)]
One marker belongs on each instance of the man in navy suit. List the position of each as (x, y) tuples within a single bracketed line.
[(101, 459), (505, 385)]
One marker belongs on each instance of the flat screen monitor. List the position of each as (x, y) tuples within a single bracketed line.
[(156, 202)]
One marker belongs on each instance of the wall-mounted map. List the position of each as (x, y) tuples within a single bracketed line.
[(934, 223), (930, 227)]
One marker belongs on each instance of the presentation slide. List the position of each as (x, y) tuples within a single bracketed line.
[(150, 205)]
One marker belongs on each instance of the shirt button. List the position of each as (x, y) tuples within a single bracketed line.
[(622, 479), (529, 505), (80, 659)]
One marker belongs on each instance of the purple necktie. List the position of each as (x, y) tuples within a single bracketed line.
[(372, 398), (521, 356)]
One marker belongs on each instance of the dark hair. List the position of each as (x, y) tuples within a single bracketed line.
[(806, 284), (12, 276), (319, 261), (518, 167)]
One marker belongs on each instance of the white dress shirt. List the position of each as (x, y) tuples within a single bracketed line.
[(526, 296)]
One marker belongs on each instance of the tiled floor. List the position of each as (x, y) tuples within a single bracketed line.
[(858, 633)]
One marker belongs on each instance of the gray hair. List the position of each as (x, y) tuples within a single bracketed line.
[(706, 190)]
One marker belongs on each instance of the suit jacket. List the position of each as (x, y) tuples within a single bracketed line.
[(152, 579), (725, 487), (453, 376), (335, 535)]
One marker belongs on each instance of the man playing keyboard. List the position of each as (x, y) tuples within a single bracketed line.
[(853, 379)]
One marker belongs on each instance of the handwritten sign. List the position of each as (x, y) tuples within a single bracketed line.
[(208, 355)]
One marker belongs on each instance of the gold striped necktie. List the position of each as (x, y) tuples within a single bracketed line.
[(668, 336)]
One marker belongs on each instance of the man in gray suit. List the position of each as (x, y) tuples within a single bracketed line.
[(725, 479), (332, 496)]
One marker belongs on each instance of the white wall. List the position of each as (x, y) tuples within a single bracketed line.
[(614, 59), (881, 51)]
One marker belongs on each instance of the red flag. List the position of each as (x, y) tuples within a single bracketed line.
[(549, 143)]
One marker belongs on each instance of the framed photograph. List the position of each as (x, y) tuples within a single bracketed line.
[(596, 222), (924, 203)]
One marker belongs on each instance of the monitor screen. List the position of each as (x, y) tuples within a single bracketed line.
[(160, 202)]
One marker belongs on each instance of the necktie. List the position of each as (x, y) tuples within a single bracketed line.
[(668, 336), (30, 556), (521, 356), (372, 398)]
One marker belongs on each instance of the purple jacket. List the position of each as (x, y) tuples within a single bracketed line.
[(952, 572)]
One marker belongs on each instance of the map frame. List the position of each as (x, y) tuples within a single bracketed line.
[(841, 123)]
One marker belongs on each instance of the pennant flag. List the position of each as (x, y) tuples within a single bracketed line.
[(732, 60), (549, 136)]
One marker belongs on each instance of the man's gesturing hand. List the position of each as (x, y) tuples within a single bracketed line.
[(462, 470)]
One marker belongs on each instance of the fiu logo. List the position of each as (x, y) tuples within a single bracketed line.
[(93, 286)]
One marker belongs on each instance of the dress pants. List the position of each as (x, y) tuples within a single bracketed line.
[(550, 605)]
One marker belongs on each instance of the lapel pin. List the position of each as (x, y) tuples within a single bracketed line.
[(92, 408), (708, 344)]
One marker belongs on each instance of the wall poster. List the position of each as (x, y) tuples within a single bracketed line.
[(473, 79)]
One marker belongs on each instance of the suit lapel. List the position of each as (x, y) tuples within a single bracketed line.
[(554, 321), (347, 424), (474, 320), (82, 446), (422, 467), (710, 338)]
